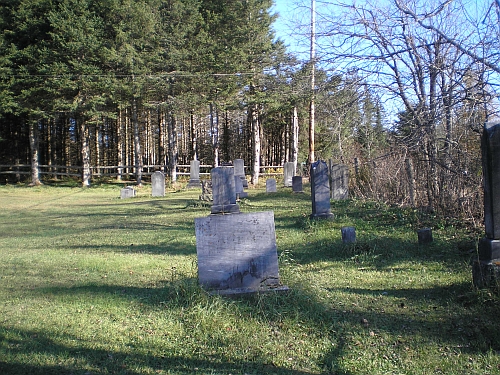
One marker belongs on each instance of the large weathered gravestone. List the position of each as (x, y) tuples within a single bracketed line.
[(237, 253), (339, 174), (320, 191), (223, 191), (127, 192), (288, 173), (238, 187), (194, 175), (239, 170), (158, 184), (486, 270), (271, 185), (297, 184)]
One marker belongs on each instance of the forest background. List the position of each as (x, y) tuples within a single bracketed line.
[(401, 91)]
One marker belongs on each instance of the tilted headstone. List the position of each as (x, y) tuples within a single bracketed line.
[(339, 174), (127, 192), (194, 175), (158, 184), (223, 191), (486, 270), (239, 170), (320, 191), (271, 185), (297, 184), (288, 173), (238, 187), (237, 253)]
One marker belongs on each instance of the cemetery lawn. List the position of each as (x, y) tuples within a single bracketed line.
[(94, 284)]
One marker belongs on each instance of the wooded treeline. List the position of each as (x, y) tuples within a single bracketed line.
[(162, 82)]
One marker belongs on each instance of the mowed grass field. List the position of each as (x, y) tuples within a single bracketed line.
[(94, 284)]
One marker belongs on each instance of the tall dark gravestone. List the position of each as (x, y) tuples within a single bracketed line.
[(297, 184), (223, 191), (486, 269), (320, 191)]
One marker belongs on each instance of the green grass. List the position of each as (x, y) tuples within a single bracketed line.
[(92, 284)]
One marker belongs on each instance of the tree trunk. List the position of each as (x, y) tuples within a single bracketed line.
[(214, 128), (295, 138), (172, 147), (85, 153), (194, 153), (34, 141), (255, 128), (137, 144)]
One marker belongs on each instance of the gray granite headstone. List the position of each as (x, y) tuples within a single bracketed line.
[(239, 170), (127, 192), (320, 191), (348, 234), (238, 187), (340, 181), (158, 184), (223, 191), (271, 185), (288, 173), (297, 184), (237, 253), (194, 175)]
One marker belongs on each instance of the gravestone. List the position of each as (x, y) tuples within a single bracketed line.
[(297, 184), (288, 173), (127, 192), (339, 174), (206, 191), (238, 187), (320, 191), (348, 234), (223, 191), (194, 175), (237, 253), (486, 269), (158, 184), (424, 236), (239, 170), (271, 185)]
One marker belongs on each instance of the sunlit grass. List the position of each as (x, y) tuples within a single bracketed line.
[(92, 284)]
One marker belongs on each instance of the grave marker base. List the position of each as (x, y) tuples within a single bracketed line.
[(489, 249), (225, 209)]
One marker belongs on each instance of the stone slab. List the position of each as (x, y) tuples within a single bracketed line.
[(271, 185), (488, 249), (158, 184), (339, 174), (490, 148), (237, 252), (297, 184), (320, 191), (288, 173), (127, 192)]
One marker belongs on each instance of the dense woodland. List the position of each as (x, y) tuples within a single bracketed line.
[(128, 84)]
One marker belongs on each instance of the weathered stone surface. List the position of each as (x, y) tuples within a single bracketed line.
[(127, 192), (223, 191), (271, 185), (424, 236), (194, 175), (158, 184), (339, 174), (490, 146), (320, 191), (239, 170), (238, 186), (237, 251), (488, 249), (288, 173), (348, 234), (297, 184), (206, 191)]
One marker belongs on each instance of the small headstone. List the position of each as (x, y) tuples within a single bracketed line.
[(297, 184), (194, 175), (348, 234), (223, 191), (237, 253), (424, 236), (239, 170), (158, 184), (288, 173), (271, 185), (340, 181), (127, 192), (320, 191), (238, 187)]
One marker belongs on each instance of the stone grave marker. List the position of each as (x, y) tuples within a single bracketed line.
[(223, 191), (127, 192), (424, 236), (194, 175), (238, 187), (239, 170), (486, 269), (237, 253), (320, 191), (206, 191), (348, 234), (158, 184), (271, 185), (339, 174), (297, 184), (288, 173)]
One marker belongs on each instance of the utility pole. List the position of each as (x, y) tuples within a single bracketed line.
[(312, 62)]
